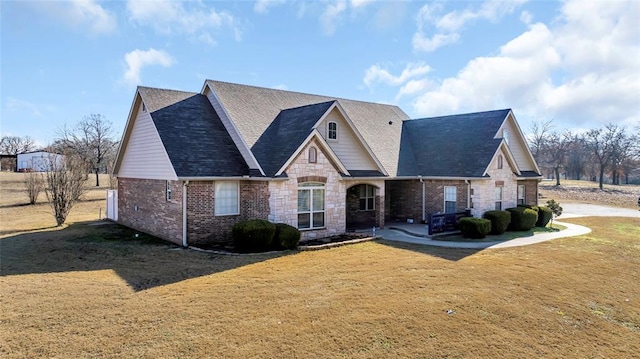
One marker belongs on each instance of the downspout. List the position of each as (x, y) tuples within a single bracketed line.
[(468, 194), (424, 214), (184, 213)]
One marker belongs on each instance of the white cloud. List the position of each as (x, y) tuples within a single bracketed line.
[(137, 59), (82, 13), (581, 69), (375, 74), (331, 16), (17, 105), (262, 6), (448, 26), (526, 17), (360, 3), (192, 18)]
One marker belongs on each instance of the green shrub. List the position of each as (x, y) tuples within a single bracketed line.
[(474, 227), (286, 237), (254, 235), (522, 219), (499, 220), (544, 216)]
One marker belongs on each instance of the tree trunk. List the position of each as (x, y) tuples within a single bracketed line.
[(601, 177), (97, 177), (557, 173)]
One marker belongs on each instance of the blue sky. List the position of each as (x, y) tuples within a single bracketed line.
[(576, 62)]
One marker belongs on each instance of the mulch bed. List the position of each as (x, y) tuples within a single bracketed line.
[(228, 247)]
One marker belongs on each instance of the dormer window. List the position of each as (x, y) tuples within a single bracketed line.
[(332, 131), (499, 162), (505, 135), (313, 155)]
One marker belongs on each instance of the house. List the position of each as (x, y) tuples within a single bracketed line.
[(190, 165), (37, 161)]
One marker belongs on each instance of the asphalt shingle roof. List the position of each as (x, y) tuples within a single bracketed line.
[(193, 135), (450, 146), (285, 134), (252, 109)]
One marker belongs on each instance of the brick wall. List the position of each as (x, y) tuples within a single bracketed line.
[(435, 195), (142, 205), (203, 226), (530, 191), (357, 219), (405, 198)]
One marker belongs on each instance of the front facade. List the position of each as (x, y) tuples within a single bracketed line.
[(191, 165)]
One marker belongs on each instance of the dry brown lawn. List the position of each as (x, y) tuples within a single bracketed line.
[(87, 291), (589, 192)]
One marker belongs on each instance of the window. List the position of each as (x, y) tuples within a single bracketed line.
[(310, 205), (227, 198), (450, 199), (500, 162), (167, 190), (505, 135), (521, 194), (332, 131), (144, 108), (367, 197), (313, 155), (498, 198)]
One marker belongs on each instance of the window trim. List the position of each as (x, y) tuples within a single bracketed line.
[(498, 201), (455, 200), (215, 199), (313, 155), (524, 194), (167, 191), (329, 131), (311, 187)]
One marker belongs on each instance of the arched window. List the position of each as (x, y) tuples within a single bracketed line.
[(313, 155), (332, 130), (500, 162)]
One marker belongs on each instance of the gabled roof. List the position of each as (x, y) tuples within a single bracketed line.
[(450, 146), (252, 109), (196, 142), (285, 135)]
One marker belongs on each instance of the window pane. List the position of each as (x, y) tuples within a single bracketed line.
[(370, 190), (498, 192), (304, 200), (226, 198), (370, 204), (363, 191), (450, 193), (304, 220), (449, 207), (498, 206), (363, 204), (318, 219), (318, 199)]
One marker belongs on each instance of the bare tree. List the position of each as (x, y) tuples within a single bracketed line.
[(13, 145), (577, 158), (34, 184), (65, 184), (556, 148), (92, 140), (538, 136), (601, 143)]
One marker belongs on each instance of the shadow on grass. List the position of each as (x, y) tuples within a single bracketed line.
[(143, 261), (450, 254)]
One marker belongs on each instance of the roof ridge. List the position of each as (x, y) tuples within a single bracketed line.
[(461, 114), (301, 93), (166, 89)]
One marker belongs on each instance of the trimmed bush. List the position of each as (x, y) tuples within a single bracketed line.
[(476, 228), (499, 220), (254, 235), (286, 237), (544, 216), (522, 219)]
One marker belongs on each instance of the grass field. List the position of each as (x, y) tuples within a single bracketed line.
[(86, 291)]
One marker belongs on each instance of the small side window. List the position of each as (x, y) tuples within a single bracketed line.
[(313, 155), (168, 191), (500, 162), (144, 108), (332, 131)]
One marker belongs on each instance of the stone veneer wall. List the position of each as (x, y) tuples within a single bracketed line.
[(484, 190), (154, 215), (203, 226), (284, 194)]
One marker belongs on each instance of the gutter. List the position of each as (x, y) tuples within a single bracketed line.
[(468, 193), (184, 213)]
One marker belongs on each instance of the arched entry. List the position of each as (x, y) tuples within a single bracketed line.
[(362, 207)]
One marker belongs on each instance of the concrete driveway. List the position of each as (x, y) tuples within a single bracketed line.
[(572, 210)]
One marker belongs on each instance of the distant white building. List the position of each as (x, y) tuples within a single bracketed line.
[(39, 161)]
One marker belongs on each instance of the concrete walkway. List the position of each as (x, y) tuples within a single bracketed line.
[(401, 236)]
